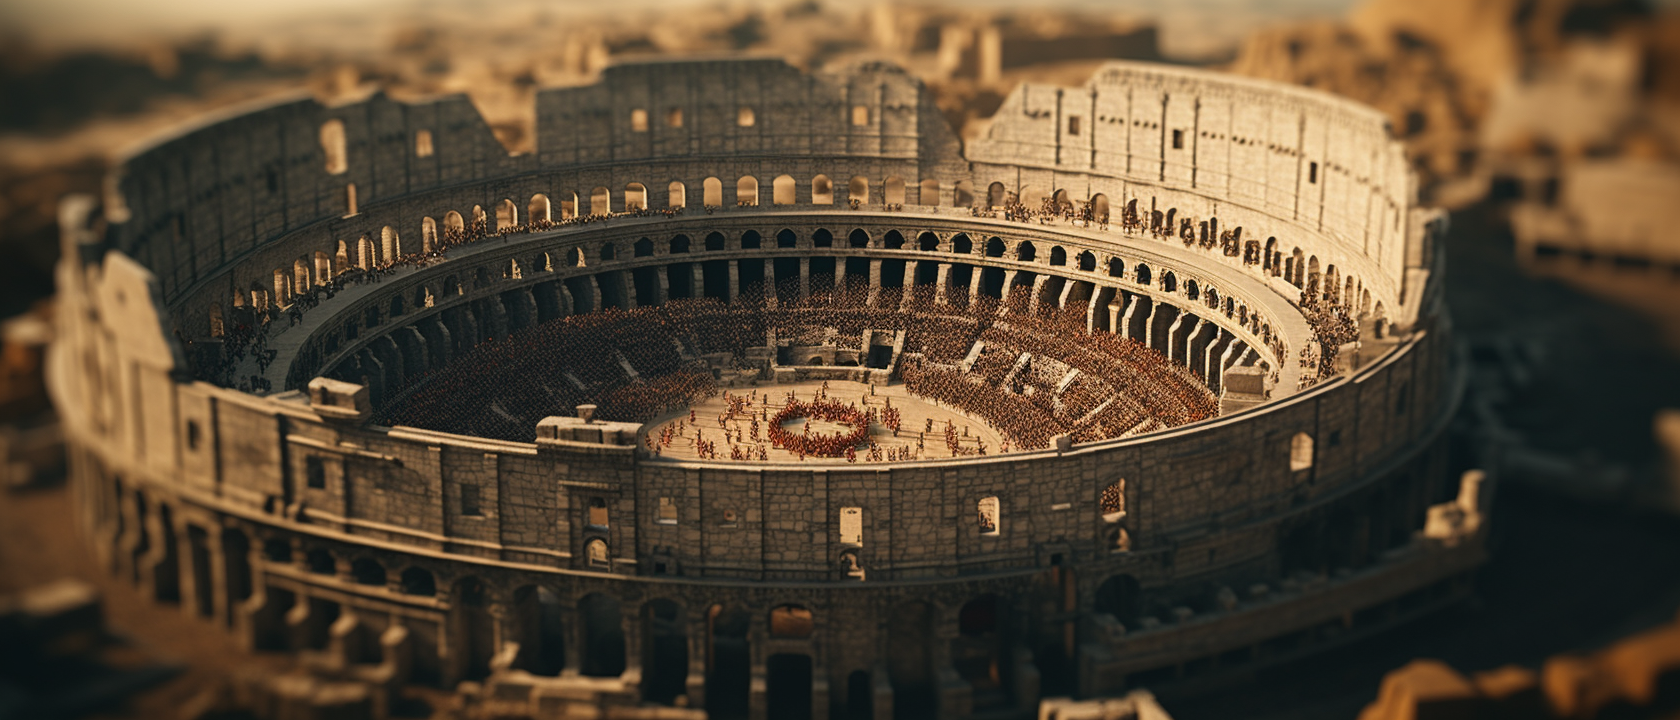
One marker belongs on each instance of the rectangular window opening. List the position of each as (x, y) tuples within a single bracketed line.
[(316, 471), (851, 526), (423, 143), (1312, 172), (667, 511), (988, 516), (1178, 139), (1073, 125), (673, 117), (638, 120), (469, 500)]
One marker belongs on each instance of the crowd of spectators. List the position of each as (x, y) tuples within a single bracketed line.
[(1036, 375)]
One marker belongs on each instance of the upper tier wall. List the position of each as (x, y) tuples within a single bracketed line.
[(1258, 154), (189, 206), (1316, 172)]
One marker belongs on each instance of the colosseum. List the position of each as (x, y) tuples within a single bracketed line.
[(760, 392)]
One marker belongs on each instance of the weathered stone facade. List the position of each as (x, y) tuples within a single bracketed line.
[(556, 567)]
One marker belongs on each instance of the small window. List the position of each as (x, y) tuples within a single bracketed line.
[(1113, 501), (596, 550), (638, 120), (851, 526), (469, 500), (316, 472), (277, 550), (730, 518), (1073, 124), (1335, 438), (988, 516), (1178, 139), (1312, 172), (791, 621), (744, 117), (349, 199), (860, 114), (423, 143), (332, 146), (673, 118), (597, 512), (667, 511), (192, 435), (1300, 452)]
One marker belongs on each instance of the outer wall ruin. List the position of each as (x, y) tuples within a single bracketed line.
[(1248, 538)]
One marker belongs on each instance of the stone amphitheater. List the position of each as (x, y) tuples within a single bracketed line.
[(1170, 356)]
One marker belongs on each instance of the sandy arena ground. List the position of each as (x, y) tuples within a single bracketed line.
[(767, 399)]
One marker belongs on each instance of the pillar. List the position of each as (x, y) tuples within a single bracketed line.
[(1176, 340), (1008, 288), (910, 268), (874, 280), (734, 279), (954, 697), (804, 277), (940, 284)]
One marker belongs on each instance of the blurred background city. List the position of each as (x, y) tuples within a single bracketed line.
[(1550, 129)]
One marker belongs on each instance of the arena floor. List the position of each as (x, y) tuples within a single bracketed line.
[(913, 441)]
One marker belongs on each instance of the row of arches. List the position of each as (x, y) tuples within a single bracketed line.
[(784, 190)]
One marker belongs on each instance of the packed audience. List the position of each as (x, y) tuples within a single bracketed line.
[(1035, 376)]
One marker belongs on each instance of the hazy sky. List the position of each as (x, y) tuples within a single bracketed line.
[(90, 21)]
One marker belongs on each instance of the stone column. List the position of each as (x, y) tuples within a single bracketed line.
[(567, 305), (954, 696), (630, 618), (1091, 311), (1008, 288), (1037, 298), (1149, 322), (696, 280), (734, 279), (770, 296), (1175, 345), (758, 686), (874, 280), (804, 277), (940, 284), (628, 279), (664, 276), (698, 638), (595, 286), (910, 269), (572, 648)]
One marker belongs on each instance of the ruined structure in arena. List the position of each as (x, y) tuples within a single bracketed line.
[(756, 391)]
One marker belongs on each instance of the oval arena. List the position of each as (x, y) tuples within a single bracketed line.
[(1147, 384)]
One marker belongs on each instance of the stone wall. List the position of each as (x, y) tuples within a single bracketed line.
[(300, 526)]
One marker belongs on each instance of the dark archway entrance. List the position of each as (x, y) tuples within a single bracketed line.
[(728, 666), (788, 686)]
